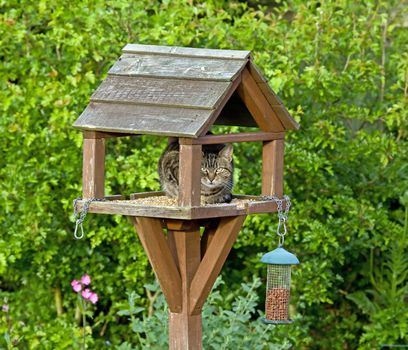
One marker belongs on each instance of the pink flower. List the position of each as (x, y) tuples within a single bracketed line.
[(86, 294), (86, 279), (93, 298), (5, 307), (76, 286)]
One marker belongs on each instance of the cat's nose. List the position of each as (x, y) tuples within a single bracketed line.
[(211, 177)]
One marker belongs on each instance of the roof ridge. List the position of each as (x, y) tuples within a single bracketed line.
[(180, 51)]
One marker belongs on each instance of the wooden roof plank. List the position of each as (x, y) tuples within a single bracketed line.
[(257, 104), (156, 120), (177, 67), (186, 51), (164, 92)]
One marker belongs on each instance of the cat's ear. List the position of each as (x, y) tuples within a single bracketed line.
[(226, 152)]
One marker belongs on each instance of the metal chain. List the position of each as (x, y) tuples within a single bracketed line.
[(282, 215), (79, 217)]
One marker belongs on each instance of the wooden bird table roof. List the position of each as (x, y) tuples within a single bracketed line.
[(182, 92)]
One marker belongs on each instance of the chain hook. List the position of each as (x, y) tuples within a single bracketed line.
[(282, 216), (78, 223), (79, 217)]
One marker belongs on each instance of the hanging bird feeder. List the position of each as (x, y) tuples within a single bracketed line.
[(279, 263)]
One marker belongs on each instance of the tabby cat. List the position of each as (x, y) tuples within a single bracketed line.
[(216, 172)]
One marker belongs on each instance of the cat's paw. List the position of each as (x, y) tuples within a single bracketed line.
[(228, 198)]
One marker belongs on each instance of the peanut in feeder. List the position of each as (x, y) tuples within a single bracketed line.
[(279, 263)]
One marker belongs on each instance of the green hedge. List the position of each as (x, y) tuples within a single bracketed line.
[(342, 70)]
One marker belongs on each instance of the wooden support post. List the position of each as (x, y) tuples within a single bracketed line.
[(185, 330), (272, 168), (184, 276), (189, 175), (93, 180)]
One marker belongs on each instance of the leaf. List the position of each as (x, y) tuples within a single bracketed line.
[(363, 302)]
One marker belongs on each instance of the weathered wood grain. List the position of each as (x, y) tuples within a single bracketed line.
[(93, 168), (154, 243), (156, 120), (238, 137), (213, 260), (177, 67), (257, 104), (161, 92), (130, 209), (189, 175), (186, 51), (272, 168)]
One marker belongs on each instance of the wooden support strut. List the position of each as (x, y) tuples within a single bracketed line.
[(213, 260), (150, 233)]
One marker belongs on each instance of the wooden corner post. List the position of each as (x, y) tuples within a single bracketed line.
[(93, 174), (189, 175), (272, 168)]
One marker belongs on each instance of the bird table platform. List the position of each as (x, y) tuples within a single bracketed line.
[(158, 205), (181, 93)]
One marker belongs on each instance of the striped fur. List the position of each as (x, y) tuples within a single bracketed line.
[(216, 172)]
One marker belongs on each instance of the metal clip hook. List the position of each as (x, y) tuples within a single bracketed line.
[(78, 223), (280, 223)]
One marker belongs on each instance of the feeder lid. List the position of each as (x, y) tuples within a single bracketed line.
[(280, 256)]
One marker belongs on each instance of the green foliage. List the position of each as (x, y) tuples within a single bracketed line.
[(342, 70), (225, 328)]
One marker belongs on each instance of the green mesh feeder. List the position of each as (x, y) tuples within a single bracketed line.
[(279, 263)]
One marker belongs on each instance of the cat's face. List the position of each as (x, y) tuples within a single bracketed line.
[(217, 169)]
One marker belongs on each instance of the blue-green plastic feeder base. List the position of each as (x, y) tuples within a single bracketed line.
[(264, 320)]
